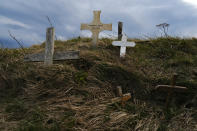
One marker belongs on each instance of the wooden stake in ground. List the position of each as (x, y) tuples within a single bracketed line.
[(123, 98), (123, 44), (120, 24), (49, 55), (96, 27), (170, 89), (119, 91), (49, 47)]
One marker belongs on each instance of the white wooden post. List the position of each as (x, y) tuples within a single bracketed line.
[(49, 47)]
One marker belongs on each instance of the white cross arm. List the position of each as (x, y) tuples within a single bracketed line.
[(125, 44)]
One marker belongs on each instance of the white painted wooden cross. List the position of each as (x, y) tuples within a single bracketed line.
[(96, 27), (123, 44)]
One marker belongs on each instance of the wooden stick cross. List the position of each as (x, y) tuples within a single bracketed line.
[(96, 27), (171, 88)]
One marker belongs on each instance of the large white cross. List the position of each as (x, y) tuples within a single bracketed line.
[(96, 27), (123, 44)]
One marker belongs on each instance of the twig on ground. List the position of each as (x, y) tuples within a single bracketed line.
[(69, 90)]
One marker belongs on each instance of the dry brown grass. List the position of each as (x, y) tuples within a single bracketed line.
[(77, 94)]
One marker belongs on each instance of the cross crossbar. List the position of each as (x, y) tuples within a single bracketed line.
[(58, 56), (169, 87)]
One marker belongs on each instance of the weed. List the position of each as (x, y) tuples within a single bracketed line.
[(81, 77), (106, 118)]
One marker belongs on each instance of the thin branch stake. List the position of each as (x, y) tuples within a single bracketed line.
[(19, 43), (49, 20)]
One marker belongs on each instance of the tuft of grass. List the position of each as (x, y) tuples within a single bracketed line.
[(17, 110), (81, 77)]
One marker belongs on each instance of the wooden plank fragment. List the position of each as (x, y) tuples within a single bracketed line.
[(169, 87), (58, 56), (49, 48)]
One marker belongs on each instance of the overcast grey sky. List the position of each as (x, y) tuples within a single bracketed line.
[(26, 19)]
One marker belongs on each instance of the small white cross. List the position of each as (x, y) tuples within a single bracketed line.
[(123, 44)]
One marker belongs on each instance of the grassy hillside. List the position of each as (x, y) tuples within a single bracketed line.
[(77, 94)]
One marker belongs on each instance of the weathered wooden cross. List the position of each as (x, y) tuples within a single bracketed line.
[(123, 44), (171, 88), (49, 55), (96, 27)]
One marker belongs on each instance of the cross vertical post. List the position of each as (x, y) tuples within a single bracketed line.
[(95, 37), (49, 47), (123, 98), (122, 52), (97, 15), (120, 24), (173, 83), (170, 89)]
